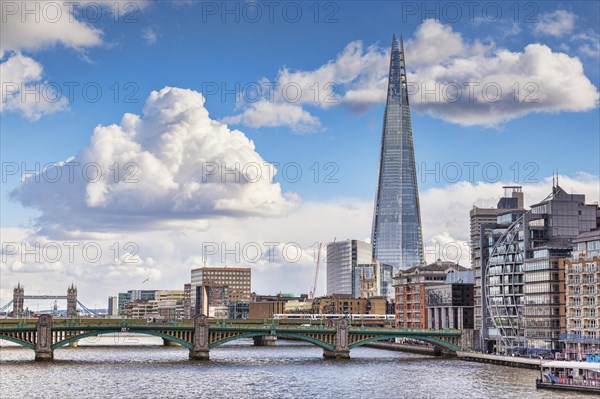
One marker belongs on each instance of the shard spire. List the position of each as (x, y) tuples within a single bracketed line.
[(396, 236)]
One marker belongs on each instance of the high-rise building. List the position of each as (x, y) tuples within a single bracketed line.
[(485, 230), (396, 236), (113, 306), (214, 288), (522, 282), (341, 257), (581, 332)]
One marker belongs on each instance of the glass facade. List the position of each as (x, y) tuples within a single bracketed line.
[(523, 281), (396, 235), (342, 256)]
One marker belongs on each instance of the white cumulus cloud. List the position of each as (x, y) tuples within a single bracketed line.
[(173, 164), (459, 81), (23, 89)]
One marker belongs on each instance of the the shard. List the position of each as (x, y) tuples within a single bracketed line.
[(396, 237)]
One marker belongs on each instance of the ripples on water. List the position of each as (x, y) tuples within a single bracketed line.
[(241, 370)]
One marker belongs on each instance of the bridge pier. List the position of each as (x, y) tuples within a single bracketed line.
[(167, 342), (265, 340), (73, 344), (342, 350), (200, 350), (43, 344), (327, 354)]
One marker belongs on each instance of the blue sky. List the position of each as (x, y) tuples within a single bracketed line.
[(187, 45)]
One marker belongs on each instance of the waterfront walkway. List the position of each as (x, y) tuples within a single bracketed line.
[(512, 361)]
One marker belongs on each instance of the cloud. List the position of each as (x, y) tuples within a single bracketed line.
[(556, 23), (149, 35), (269, 114), (469, 83), (490, 90), (24, 91), (173, 166), (426, 48), (35, 26), (348, 80), (47, 26)]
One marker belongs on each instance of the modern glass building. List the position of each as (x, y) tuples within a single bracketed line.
[(522, 281), (342, 256), (396, 235)]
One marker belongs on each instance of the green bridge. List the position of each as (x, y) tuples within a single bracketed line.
[(336, 337)]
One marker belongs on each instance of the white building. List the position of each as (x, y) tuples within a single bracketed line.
[(341, 257)]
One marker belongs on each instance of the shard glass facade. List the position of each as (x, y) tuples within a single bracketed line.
[(396, 236)]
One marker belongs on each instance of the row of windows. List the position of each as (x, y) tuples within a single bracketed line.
[(533, 288), (578, 268)]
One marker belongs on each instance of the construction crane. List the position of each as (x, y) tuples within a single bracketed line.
[(311, 295)]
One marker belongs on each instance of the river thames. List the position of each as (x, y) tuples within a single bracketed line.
[(240, 370)]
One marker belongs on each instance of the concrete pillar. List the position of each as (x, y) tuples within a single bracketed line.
[(460, 319), (200, 341), (451, 317), (43, 344), (341, 351), (436, 318), (265, 340)]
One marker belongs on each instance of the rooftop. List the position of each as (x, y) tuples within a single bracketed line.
[(591, 235), (437, 266)]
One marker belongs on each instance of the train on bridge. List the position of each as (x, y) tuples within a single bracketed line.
[(303, 316)]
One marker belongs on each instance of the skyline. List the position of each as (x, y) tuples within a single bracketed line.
[(169, 214)]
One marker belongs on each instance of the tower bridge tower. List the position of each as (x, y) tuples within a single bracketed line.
[(18, 300), (71, 301)]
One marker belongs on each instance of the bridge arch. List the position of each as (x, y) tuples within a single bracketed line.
[(102, 332), (432, 340), (302, 337), (18, 341)]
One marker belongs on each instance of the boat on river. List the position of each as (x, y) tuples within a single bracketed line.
[(570, 376)]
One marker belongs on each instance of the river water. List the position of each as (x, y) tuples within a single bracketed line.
[(135, 367)]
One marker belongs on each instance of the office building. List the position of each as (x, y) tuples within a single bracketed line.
[(485, 231), (342, 256), (450, 305), (212, 289), (396, 235), (113, 306), (523, 285), (131, 296)]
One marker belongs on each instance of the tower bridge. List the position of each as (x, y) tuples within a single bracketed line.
[(336, 337), (19, 297)]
